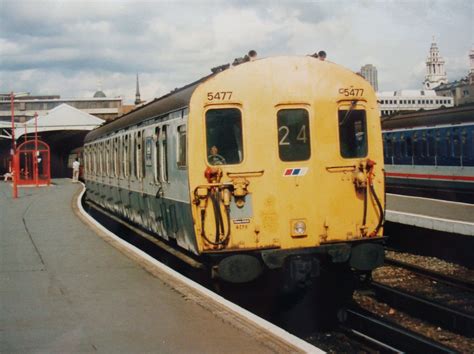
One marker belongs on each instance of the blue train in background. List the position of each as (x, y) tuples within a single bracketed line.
[(431, 153)]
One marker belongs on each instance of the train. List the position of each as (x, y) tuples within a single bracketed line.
[(431, 153), (269, 165)]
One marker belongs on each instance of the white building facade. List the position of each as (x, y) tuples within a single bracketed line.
[(391, 102)]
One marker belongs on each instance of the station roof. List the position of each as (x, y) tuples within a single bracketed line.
[(62, 117)]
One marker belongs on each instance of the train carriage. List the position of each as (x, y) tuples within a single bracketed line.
[(431, 153), (276, 163)]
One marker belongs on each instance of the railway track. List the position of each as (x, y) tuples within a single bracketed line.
[(451, 280), (385, 336), (426, 309), (375, 339)]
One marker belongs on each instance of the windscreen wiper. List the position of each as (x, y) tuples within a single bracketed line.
[(351, 108)]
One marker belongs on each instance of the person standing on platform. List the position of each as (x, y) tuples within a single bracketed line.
[(75, 171)]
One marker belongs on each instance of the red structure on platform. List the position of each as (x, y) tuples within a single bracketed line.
[(33, 163)]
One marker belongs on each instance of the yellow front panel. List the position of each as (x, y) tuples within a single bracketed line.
[(319, 193)]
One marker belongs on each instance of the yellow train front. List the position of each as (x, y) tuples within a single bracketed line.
[(273, 164), (286, 168)]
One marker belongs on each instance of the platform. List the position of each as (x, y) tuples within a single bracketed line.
[(65, 289), (432, 214)]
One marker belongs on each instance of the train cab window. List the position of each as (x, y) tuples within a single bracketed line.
[(293, 134), (181, 146), (224, 136), (352, 133)]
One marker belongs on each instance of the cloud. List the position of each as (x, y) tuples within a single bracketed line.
[(65, 47)]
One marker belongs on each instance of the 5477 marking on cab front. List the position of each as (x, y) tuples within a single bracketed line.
[(220, 95)]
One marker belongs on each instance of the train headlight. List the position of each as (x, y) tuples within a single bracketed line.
[(298, 228)]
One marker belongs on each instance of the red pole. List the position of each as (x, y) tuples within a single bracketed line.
[(26, 155), (35, 160), (14, 159)]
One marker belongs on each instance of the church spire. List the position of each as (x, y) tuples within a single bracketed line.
[(137, 94)]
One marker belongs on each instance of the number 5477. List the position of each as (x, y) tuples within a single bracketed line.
[(221, 95)]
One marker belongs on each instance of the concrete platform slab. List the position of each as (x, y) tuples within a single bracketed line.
[(64, 290), (432, 214)]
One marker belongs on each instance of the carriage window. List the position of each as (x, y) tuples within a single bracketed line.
[(157, 169), (164, 153), (293, 135), (352, 133), (148, 151), (396, 147), (224, 136), (408, 147), (389, 145), (119, 157), (116, 158), (456, 144), (139, 155), (126, 157), (133, 154), (416, 146), (464, 147), (431, 143), (182, 146)]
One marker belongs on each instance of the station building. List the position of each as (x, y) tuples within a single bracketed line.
[(391, 102), (27, 105), (63, 128), (462, 91)]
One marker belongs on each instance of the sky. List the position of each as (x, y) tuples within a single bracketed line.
[(72, 48)]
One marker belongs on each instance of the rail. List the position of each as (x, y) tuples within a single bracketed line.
[(450, 280), (389, 336), (447, 317)]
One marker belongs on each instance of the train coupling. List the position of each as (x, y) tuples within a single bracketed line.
[(300, 270)]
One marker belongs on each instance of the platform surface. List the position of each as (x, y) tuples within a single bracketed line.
[(431, 213), (65, 290)]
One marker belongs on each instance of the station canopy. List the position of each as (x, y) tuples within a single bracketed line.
[(61, 118)]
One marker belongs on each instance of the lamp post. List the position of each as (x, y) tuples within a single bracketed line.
[(14, 156), (35, 159)]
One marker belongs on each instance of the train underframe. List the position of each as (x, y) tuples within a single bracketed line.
[(299, 267)]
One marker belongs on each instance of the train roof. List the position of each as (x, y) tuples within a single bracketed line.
[(442, 116), (175, 100), (170, 102)]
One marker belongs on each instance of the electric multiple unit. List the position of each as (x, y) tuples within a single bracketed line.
[(272, 164)]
